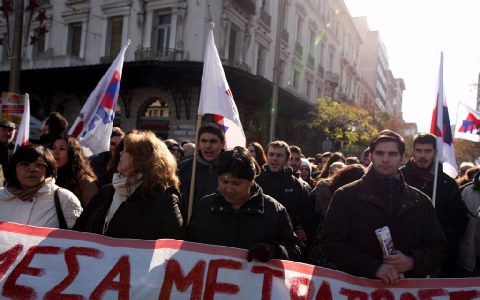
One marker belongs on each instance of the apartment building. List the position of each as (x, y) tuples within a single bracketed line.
[(68, 45)]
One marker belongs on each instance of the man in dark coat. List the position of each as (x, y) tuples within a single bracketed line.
[(7, 133), (277, 180), (419, 172), (241, 215), (382, 198), (211, 141)]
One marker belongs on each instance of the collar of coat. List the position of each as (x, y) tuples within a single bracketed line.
[(254, 205)]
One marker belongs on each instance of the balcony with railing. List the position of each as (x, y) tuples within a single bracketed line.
[(161, 54), (247, 5), (332, 78), (265, 17)]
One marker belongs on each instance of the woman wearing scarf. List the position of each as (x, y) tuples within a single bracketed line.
[(31, 196), (143, 200)]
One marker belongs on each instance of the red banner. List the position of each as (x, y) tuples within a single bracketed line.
[(38, 263)]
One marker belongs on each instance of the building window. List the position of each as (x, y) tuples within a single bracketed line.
[(162, 31), (114, 36), (74, 39), (232, 45), (299, 29), (309, 89), (296, 79), (157, 109), (312, 43), (262, 54), (39, 46)]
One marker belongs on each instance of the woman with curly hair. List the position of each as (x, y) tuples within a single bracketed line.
[(143, 200), (74, 170)]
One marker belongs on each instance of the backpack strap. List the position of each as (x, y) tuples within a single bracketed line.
[(58, 207)]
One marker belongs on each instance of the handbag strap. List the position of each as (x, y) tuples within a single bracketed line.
[(61, 218)]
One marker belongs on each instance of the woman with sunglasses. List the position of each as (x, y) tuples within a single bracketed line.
[(31, 196)]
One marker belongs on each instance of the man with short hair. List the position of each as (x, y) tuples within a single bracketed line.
[(382, 198), (211, 142), (277, 180), (188, 149), (295, 161), (99, 162), (419, 172)]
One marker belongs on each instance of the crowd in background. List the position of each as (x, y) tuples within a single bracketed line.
[(272, 200)]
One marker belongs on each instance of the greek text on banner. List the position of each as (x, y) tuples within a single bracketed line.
[(44, 263)]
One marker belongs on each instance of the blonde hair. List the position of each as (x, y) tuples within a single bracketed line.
[(153, 160)]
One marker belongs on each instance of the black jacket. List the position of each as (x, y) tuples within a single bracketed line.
[(451, 210), (206, 181), (359, 208), (137, 218), (292, 194), (259, 220)]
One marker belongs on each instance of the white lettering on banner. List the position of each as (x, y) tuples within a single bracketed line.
[(44, 263)]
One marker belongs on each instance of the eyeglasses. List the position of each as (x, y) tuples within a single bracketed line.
[(36, 164)]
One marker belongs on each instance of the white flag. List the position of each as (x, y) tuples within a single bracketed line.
[(468, 123), (23, 133), (440, 127), (216, 97), (93, 127)]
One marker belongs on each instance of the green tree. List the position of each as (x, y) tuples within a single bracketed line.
[(342, 123)]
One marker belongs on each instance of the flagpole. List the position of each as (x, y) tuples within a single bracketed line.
[(434, 195), (194, 172)]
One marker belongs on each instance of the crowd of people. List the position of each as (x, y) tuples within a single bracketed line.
[(272, 201)]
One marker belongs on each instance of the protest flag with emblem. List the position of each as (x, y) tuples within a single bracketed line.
[(93, 126), (468, 123), (23, 133), (216, 97), (440, 127)]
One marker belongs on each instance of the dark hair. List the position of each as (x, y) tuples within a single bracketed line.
[(57, 124), (295, 149), (280, 144), (425, 138), (352, 160), (333, 158), (30, 153), (212, 128), (117, 131), (346, 175), (387, 136), (237, 162), (77, 169), (259, 153)]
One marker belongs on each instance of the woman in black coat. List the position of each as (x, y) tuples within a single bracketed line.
[(143, 200)]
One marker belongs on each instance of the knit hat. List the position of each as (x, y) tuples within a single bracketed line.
[(305, 162)]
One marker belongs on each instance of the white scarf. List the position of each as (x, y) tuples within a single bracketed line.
[(121, 194)]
